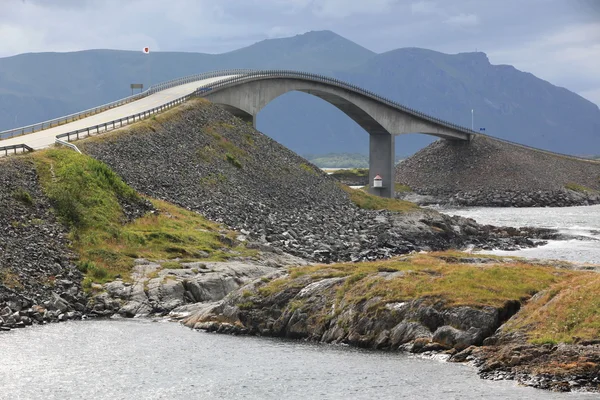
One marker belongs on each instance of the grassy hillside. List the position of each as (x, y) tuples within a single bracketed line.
[(111, 224)]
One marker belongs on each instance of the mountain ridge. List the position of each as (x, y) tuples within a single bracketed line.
[(508, 103)]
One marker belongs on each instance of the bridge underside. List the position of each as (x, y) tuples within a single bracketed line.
[(380, 120)]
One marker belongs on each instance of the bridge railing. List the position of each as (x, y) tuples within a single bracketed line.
[(86, 113), (16, 148), (274, 74), (244, 75)]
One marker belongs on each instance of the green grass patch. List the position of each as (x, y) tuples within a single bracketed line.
[(578, 188), (10, 280), (430, 276), (400, 188), (86, 196), (23, 196), (351, 173), (171, 265), (310, 169), (369, 201), (232, 160)]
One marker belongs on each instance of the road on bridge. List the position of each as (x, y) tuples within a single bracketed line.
[(45, 138)]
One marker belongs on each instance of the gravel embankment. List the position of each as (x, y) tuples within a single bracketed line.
[(269, 192), (488, 172), (38, 281)]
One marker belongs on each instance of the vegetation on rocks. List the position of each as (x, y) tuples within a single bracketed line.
[(111, 225), (430, 277), (367, 201), (352, 172)]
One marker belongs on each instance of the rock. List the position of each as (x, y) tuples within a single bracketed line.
[(58, 303)]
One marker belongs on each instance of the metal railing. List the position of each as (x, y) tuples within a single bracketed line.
[(121, 122), (67, 144), (15, 147), (86, 113)]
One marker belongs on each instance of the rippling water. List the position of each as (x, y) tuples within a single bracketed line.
[(581, 223), (133, 359)]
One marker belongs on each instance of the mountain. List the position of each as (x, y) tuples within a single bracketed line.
[(508, 103)]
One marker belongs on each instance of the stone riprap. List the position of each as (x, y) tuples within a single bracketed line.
[(487, 172), (206, 160), (38, 280)]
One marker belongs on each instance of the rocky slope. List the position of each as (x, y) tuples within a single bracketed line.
[(204, 159), (488, 172), (38, 280)]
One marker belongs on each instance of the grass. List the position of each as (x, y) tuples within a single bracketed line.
[(567, 313), (578, 188), (400, 188), (231, 159), (310, 169), (23, 196), (10, 280), (86, 196), (348, 173), (369, 201), (431, 277)]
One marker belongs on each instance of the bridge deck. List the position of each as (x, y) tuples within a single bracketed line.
[(46, 137)]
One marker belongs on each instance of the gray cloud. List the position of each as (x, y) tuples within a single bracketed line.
[(557, 40)]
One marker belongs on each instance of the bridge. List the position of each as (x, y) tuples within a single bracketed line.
[(245, 93)]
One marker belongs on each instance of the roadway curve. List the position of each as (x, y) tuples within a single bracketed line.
[(46, 138)]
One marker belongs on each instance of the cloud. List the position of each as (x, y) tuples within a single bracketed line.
[(343, 8), (424, 7), (563, 38), (463, 20)]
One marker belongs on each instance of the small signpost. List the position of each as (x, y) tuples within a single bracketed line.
[(136, 86), (481, 129)]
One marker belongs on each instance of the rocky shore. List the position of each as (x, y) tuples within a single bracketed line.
[(38, 281), (259, 276), (487, 172), (380, 308)]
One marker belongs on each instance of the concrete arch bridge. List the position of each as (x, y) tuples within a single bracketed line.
[(245, 93)]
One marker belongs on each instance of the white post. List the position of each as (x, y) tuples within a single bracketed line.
[(472, 117)]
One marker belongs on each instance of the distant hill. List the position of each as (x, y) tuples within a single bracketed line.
[(510, 104)]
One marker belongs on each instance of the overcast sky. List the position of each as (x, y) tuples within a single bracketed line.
[(557, 40)]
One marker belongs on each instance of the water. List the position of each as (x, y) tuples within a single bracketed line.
[(145, 360), (582, 224), (133, 359)]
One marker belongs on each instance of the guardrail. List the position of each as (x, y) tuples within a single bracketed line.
[(15, 147), (86, 113), (67, 144), (121, 122)]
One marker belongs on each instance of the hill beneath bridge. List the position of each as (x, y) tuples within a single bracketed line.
[(488, 172), (201, 157)]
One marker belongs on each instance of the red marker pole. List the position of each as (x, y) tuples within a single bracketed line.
[(146, 50)]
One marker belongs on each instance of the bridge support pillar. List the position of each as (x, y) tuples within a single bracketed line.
[(382, 154)]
